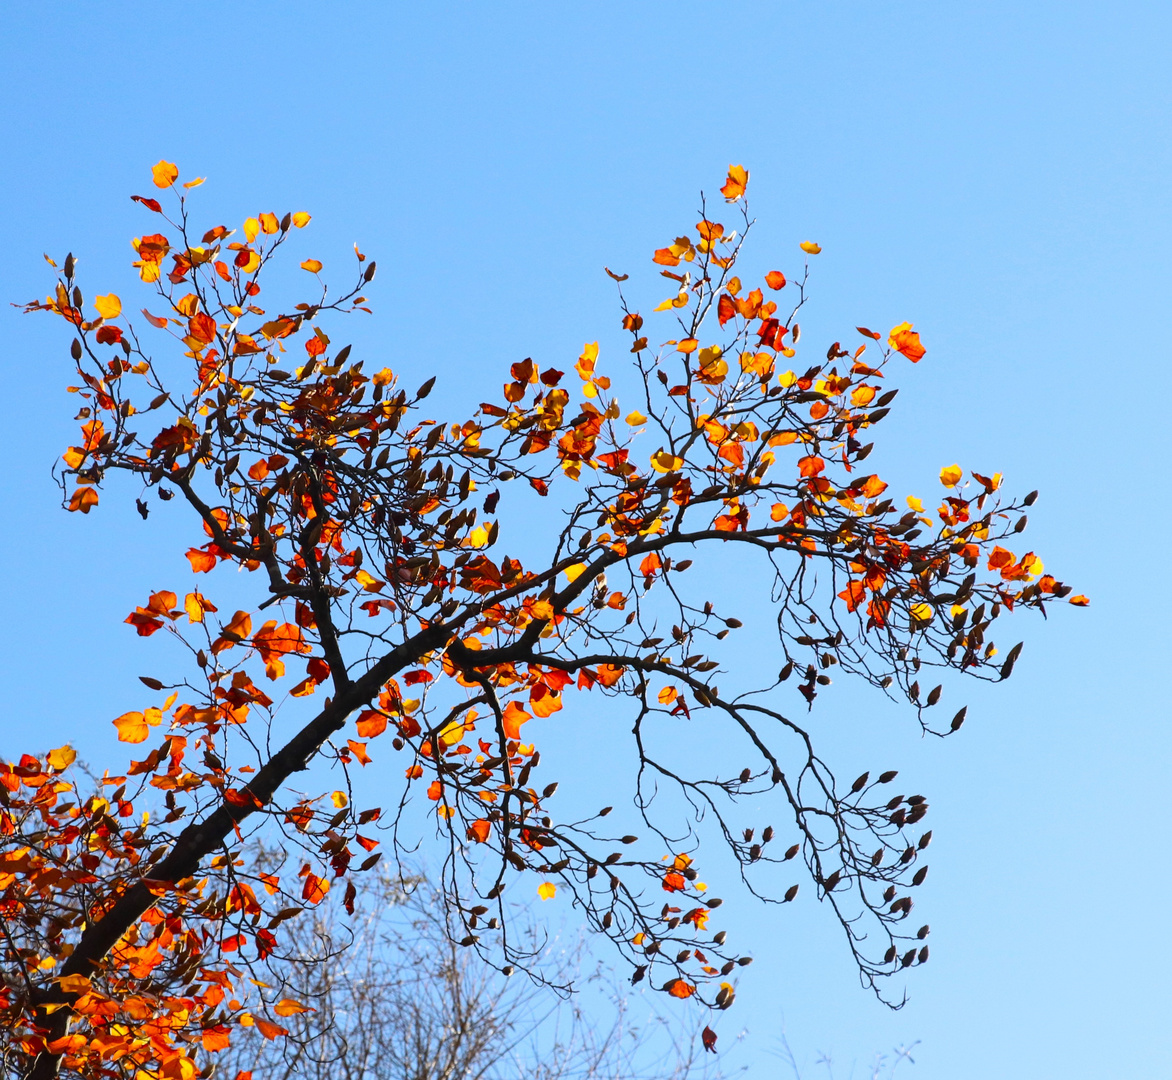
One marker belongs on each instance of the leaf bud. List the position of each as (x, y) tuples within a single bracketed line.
[(860, 783), (887, 777), (368, 273), (719, 939), (790, 893), (629, 839), (75, 349), (791, 852), (923, 932), (1030, 499)]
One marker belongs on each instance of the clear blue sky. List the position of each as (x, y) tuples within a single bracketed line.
[(996, 172)]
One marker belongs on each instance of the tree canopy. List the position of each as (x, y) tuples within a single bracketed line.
[(398, 634)]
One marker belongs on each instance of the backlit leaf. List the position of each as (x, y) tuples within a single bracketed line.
[(164, 174), (109, 307)]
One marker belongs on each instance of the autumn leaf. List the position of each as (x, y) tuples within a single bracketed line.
[(547, 890), (164, 174), (62, 757), (680, 989), (738, 180), (905, 340), (810, 248), (83, 499), (775, 279), (109, 307), (950, 475), (289, 1007), (135, 727), (512, 718), (479, 831), (312, 265), (301, 219)]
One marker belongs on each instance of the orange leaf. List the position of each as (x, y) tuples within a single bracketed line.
[(775, 279), (371, 723), (479, 831), (679, 989), (905, 340), (738, 180), (289, 1007), (164, 174), (201, 561), (270, 1030), (512, 718), (1080, 600), (314, 889), (810, 465), (83, 499), (132, 727)]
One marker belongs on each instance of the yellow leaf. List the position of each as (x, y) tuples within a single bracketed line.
[(922, 612), (339, 799), (252, 265), (269, 223), (132, 727), (288, 1007), (109, 307), (251, 229), (477, 538), (574, 572), (915, 504), (664, 461), (195, 606), (164, 174), (196, 182), (75, 984), (810, 248), (667, 695), (452, 734), (547, 890), (312, 265), (301, 219), (636, 418), (62, 757), (370, 584), (738, 180), (950, 475)]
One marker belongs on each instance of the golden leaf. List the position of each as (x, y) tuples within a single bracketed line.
[(547, 890), (62, 757), (950, 475), (164, 174), (109, 307)]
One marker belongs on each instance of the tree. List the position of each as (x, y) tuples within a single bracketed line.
[(400, 1000), (374, 538)]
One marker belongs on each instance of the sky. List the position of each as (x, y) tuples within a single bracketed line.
[(996, 173)]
